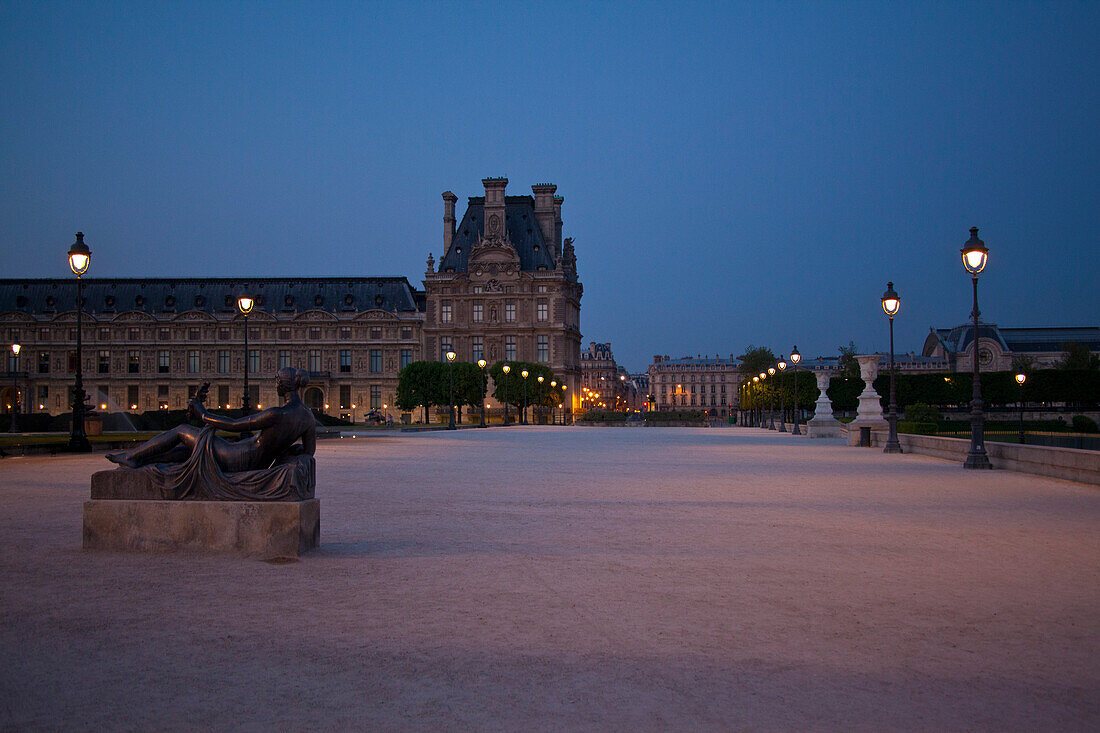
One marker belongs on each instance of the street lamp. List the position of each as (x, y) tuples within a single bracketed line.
[(782, 402), (563, 388), (15, 387), (974, 256), (890, 305), (245, 303), (523, 415), (553, 399), (795, 358), (756, 407), (451, 373), (506, 368), (484, 387), (540, 398), (771, 402), (1020, 379), (79, 259)]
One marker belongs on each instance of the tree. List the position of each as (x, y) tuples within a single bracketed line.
[(512, 385), (422, 384), (1078, 357), (849, 367), (1022, 363), (756, 359)]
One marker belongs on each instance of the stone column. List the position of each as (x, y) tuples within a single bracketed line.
[(823, 424), (869, 412)]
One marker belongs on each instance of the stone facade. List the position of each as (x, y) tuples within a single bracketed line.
[(509, 291), (700, 382), (506, 287), (148, 345)]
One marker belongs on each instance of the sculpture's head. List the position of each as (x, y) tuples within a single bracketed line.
[(289, 379)]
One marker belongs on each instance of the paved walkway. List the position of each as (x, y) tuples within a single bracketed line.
[(575, 578)]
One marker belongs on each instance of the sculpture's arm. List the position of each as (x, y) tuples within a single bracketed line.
[(259, 421), (309, 441)]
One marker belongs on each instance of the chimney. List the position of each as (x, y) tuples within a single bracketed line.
[(544, 211), (494, 207), (449, 200), (558, 201)]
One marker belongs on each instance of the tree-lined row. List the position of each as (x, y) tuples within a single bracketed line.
[(426, 384)]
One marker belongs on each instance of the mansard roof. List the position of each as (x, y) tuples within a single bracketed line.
[(521, 226), (158, 296), (1015, 340)]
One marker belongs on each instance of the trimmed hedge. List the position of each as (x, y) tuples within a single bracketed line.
[(676, 416), (917, 428), (602, 416)]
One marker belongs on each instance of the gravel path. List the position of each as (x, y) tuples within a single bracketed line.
[(575, 579)]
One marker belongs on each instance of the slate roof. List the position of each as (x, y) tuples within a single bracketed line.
[(1019, 340), (161, 296), (521, 225)]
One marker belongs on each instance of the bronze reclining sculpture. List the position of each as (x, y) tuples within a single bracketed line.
[(275, 464)]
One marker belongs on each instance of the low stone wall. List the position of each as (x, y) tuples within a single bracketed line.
[(1064, 463)]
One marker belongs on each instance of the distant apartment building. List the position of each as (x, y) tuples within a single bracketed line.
[(604, 383), (699, 382)]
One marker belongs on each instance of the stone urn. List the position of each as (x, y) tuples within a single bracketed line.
[(869, 412), (823, 424)]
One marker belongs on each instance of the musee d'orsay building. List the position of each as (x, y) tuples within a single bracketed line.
[(505, 288)]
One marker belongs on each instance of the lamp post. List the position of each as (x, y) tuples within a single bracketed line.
[(1020, 379), (541, 400), (506, 368), (481, 363), (245, 303), (782, 401), (760, 398), (974, 256), (553, 401), (15, 387), (563, 388), (523, 415), (79, 259), (451, 375), (890, 305), (795, 358), (771, 402)]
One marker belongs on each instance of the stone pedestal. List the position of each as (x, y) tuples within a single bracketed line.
[(248, 528), (823, 424), (869, 412)]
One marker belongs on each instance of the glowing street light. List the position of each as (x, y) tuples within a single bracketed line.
[(506, 368), (80, 257), (795, 358), (1020, 379), (974, 256), (451, 373), (245, 303), (891, 303), (782, 405), (481, 364), (523, 415), (15, 348)]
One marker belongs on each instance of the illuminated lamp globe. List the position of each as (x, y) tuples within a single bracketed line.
[(974, 253), (890, 300)]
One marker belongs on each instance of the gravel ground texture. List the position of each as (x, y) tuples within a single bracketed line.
[(540, 578)]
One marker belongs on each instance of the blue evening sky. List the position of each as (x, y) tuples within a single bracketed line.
[(733, 173)]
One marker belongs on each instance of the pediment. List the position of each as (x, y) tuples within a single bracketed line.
[(17, 316), (315, 316), (132, 316), (376, 314), (194, 316)]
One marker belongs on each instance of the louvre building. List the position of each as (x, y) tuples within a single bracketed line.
[(508, 293)]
